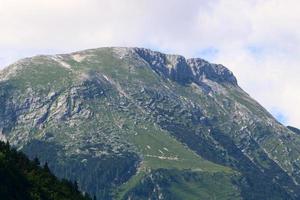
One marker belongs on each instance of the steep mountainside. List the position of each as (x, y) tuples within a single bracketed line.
[(131, 123), (22, 179)]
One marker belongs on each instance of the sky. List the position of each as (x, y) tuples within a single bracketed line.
[(259, 40)]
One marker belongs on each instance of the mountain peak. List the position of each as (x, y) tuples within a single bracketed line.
[(184, 70)]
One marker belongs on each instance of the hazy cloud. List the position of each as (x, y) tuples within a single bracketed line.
[(259, 40)]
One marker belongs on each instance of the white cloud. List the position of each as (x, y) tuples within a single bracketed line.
[(258, 39)]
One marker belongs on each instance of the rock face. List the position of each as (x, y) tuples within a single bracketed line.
[(131, 123), (179, 69)]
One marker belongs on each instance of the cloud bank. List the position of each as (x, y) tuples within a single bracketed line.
[(259, 40)]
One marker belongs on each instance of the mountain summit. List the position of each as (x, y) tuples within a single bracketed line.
[(131, 123)]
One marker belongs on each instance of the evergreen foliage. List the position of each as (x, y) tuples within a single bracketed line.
[(23, 179)]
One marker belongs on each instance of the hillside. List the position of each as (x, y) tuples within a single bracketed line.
[(131, 123), (22, 179)]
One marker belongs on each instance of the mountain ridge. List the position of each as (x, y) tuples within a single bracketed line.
[(171, 65)]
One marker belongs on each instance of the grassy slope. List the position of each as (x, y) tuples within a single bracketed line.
[(161, 151), (177, 184)]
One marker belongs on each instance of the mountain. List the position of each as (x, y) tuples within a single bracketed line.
[(22, 179), (131, 123)]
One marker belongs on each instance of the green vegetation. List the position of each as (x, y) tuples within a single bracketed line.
[(42, 74), (161, 150), (22, 179), (172, 184)]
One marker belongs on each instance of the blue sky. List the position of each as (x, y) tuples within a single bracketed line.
[(259, 40)]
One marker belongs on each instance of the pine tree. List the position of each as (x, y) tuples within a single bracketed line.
[(75, 185), (36, 161), (46, 167)]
